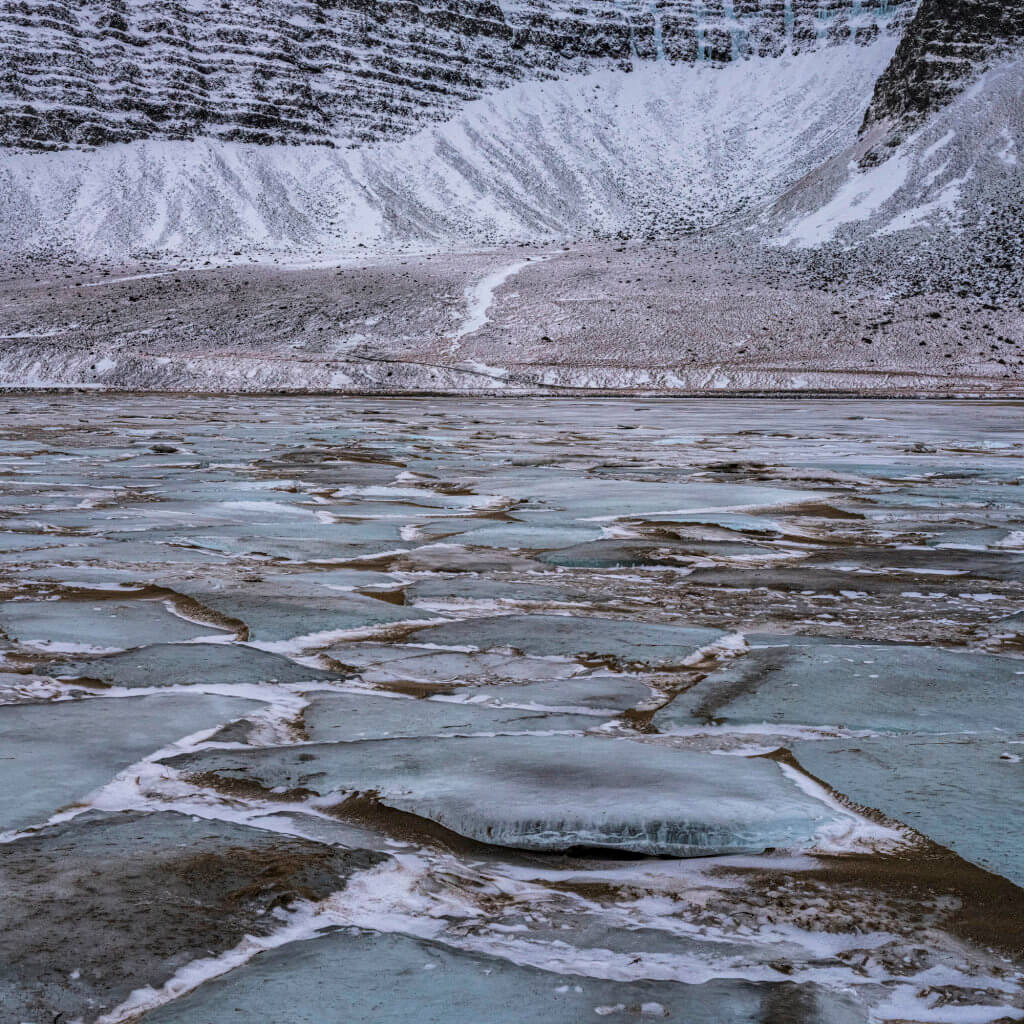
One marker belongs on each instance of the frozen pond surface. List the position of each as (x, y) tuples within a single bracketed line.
[(483, 710)]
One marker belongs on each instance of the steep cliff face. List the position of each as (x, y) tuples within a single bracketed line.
[(947, 45), (77, 73)]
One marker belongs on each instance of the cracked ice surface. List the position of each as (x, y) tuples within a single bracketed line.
[(301, 694)]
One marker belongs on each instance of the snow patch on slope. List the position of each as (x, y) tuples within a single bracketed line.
[(859, 197), (956, 169), (661, 149), (480, 297)]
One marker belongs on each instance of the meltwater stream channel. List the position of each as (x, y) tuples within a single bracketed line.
[(319, 710)]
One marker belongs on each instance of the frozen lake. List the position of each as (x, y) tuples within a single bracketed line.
[(491, 711)]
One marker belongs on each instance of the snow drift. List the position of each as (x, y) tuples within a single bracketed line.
[(658, 150)]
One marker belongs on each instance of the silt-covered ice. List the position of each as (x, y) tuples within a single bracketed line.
[(856, 685)]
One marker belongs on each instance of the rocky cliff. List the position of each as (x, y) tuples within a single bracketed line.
[(79, 73), (946, 47)]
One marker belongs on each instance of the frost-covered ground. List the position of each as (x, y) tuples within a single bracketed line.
[(661, 316), (481, 710)]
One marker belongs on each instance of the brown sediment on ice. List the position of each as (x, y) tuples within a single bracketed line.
[(247, 789), (498, 515), (990, 908), (816, 510), (327, 454), (417, 688), (277, 876), (396, 595), (640, 720), (366, 809), (196, 611)]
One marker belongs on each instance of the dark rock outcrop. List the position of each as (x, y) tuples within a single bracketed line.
[(946, 46)]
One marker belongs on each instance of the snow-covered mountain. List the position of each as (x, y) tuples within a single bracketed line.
[(139, 128), (931, 193), (816, 194), (153, 128), (342, 72), (660, 150)]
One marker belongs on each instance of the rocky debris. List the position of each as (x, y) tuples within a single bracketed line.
[(685, 316)]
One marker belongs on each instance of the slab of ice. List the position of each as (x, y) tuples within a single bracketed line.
[(566, 636), (190, 664), (530, 536), (54, 754), (140, 550), (274, 613), (348, 716), (73, 575), (336, 580), (24, 541), (550, 793), (925, 563), (295, 542), (598, 692), (452, 557), (1008, 625), (965, 792), (97, 625), (306, 983), (609, 554), (463, 589), (400, 667), (810, 579), (577, 497), (738, 522), (856, 686), (621, 554)]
